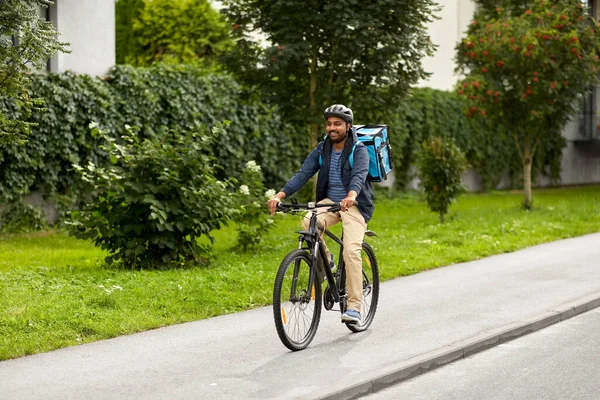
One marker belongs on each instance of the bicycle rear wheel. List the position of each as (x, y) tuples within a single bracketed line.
[(370, 271), (296, 306)]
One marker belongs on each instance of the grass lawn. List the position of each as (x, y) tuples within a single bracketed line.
[(57, 291)]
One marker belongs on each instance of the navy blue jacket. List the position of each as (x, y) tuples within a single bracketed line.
[(353, 178)]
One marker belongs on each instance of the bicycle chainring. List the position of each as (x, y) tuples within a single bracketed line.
[(328, 300)]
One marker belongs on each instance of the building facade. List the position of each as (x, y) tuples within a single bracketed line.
[(89, 27)]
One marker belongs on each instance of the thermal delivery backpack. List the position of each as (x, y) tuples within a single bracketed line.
[(376, 140)]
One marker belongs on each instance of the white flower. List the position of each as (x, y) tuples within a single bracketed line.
[(245, 190), (253, 166), (270, 193)]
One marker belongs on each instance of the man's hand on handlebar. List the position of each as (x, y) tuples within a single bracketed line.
[(349, 201), (274, 201)]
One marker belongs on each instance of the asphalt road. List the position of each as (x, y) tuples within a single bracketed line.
[(239, 356), (559, 362)]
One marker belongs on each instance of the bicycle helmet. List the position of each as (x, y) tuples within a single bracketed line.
[(340, 111)]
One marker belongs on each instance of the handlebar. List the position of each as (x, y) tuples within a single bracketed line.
[(291, 207)]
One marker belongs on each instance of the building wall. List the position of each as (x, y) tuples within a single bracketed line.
[(89, 26), (580, 158), (445, 33)]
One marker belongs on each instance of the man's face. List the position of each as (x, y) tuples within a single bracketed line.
[(337, 129)]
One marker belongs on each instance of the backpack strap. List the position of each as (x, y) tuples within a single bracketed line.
[(350, 157), (321, 152)]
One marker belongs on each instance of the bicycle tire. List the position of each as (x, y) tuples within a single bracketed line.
[(296, 317), (370, 289)]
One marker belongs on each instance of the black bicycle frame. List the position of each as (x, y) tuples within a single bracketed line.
[(313, 238)]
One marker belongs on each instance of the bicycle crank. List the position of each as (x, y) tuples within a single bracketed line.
[(328, 299)]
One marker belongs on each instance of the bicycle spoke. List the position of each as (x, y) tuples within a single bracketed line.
[(300, 302)]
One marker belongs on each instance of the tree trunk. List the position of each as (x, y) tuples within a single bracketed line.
[(314, 127), (314, 133), (441, 217), (527, 201)]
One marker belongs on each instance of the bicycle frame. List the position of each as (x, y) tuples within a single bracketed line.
[(312, 237), (331, 281)]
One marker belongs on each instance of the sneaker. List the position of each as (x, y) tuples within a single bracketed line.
[(351, 317)]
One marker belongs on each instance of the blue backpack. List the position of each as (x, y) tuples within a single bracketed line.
[(376, 140)]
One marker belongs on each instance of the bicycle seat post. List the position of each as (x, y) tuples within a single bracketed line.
[(314, 230)]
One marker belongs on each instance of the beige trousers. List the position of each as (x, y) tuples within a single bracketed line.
[(354, 227)]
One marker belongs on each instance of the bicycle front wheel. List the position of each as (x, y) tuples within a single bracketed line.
[(296, 302), (370, 273)]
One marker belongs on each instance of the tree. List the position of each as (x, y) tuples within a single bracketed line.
[(126, 11), (314, 53), (26, 43), (526, 64), (175, 31)]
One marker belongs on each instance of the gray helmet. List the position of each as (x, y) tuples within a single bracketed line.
[(340, 111)]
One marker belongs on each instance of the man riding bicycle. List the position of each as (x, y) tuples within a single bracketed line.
[(338, 181)]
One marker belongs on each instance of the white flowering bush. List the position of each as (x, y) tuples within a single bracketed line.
[(155, 199), (253, 220)]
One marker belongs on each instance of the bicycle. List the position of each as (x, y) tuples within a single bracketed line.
[(297, 294)]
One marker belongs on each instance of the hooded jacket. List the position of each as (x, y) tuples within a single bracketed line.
[(353, 178)]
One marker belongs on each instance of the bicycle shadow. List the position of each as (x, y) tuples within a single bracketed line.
[(299, 371)]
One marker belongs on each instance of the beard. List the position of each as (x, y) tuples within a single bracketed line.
[(338, 140)]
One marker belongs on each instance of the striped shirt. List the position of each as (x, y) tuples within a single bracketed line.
[(335, 188)]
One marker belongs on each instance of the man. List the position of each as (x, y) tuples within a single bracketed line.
[(339, 182)]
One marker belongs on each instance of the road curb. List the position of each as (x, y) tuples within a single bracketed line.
[(414, 366)]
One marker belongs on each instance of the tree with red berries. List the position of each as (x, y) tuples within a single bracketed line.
[(525, 66)]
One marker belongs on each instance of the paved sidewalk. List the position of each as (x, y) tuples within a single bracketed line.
[(239, 356)]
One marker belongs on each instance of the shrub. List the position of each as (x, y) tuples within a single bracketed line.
[(441, 164), (253, 221), (20, 217), (155, 199)]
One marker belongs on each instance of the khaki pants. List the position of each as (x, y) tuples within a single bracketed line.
[(354, 227)]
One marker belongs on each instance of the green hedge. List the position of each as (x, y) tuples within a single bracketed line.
[(156, 99), (489, 150), (164, 97), (429, 113)]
